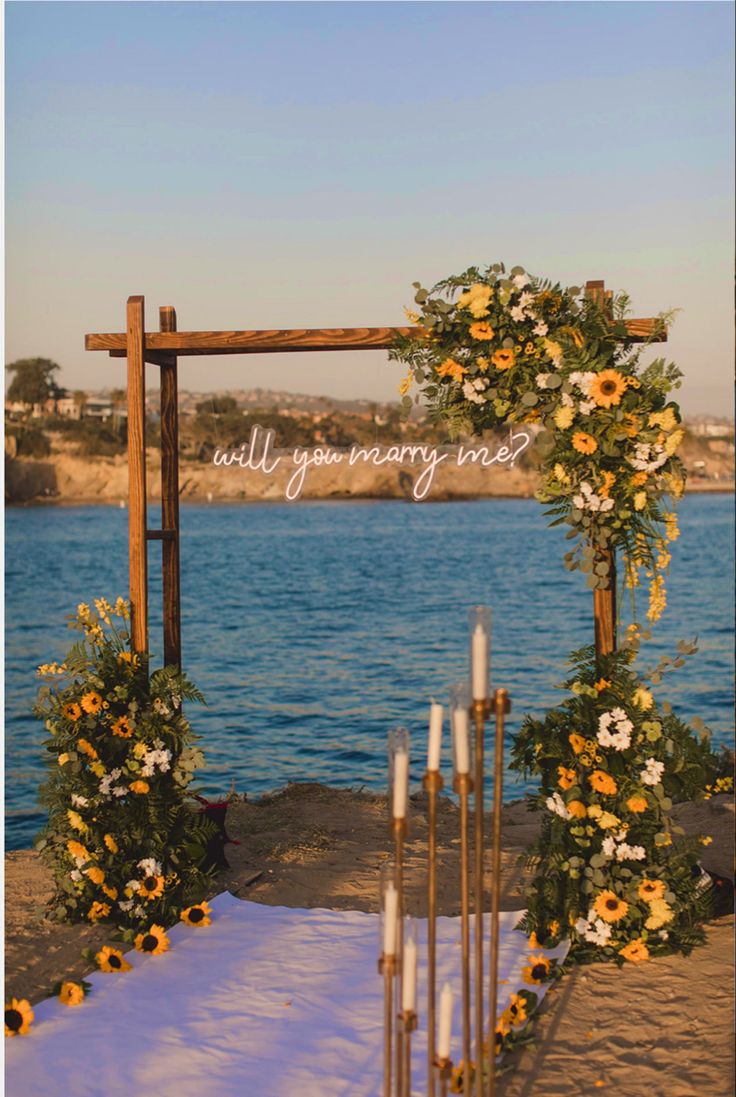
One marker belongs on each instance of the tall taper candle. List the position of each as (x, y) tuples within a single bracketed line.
[(390, 919), (445, 1033), (460, 737), (480, 629), (435, 737), (401, 783), (409, 976)]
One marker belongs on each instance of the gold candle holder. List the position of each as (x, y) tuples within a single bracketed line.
[(399, 830), (407, 1024), (501, 705), (463, 786), (444, 1073), (479, 712), (433, 784), (387, 968)]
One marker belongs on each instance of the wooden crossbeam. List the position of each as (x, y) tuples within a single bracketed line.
[(278, 341)]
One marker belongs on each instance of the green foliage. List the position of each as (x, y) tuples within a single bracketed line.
[(33, 381), (30, 440), (122, 840), (611, 762)]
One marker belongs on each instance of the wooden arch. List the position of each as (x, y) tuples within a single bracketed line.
[(162, 348)]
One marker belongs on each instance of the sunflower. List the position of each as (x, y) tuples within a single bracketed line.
[(154, 941), (18, 1017), (607, 388), (141, 787), (602, 684), (603, 783), (481, 331), (609, 907), (197, 916), (503, 359), (96, 875), (637, 803), (151, 887), (110, 892), (577, 743), (451, 368), (127, 657), (538, 970), (87, 748), (77, 822), (476, 299), (71, 994), (577, 809), (77, 850), (72, 711), (515, 1011), (92, 703), (608, 481), (567, 777), (98, 910), (122, 727), (110, 843), (584, 443), (112, 959), (661, 914), (635, 951)]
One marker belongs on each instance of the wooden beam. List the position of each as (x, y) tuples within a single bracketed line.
[(170, 497), (138, 562), (161, 535), (284, 341)]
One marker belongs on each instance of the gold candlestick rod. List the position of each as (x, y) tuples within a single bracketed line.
[(479, 711), (408, 1023), (444, 1073), (463, 785), (399, 829), (387, 968), (433, 784), (501, 706)]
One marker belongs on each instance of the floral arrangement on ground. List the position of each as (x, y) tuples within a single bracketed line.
[(122, 840), (614, 872), (492, 349)]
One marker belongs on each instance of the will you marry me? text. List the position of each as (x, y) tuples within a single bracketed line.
[(260, 455)]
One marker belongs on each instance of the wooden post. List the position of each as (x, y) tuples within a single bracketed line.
[(137, 474), (604, 601), (170, 497)]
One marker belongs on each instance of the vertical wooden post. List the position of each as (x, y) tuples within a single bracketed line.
[(170, 498), (604, 601), (137, 543)]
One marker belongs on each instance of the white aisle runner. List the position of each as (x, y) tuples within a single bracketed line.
[(267, 1001)]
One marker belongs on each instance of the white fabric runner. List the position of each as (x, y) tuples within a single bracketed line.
[(267, 1001)]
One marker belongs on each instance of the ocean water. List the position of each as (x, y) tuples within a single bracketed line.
[(313, 628)]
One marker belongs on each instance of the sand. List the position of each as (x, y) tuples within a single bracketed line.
[(660, 1028)]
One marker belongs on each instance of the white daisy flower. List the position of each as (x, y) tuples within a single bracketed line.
[(150, 866), (79, 801), (540, 328), (541, 380), (517, 313), (556, 804), (520, 280), (652, 773)]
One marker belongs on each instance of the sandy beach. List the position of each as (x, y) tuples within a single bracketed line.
[(660, 1028)]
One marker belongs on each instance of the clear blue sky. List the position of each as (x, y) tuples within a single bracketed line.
[(300, 164)]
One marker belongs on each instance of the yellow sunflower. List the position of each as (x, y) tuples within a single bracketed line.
[(141, 787), (87, 748), (127, 657), (18, 1017), (661, 914), (538, 969), (122, 727), (154, 941), (637, 803), (577, 809), (71, 994), (609, 907), (639, 478), (151, 887), (603, 783), (515, 1011), (566, 777), (651, 889), (110, 892), (584, 443), (451, 368), (92, 703), (112, 959), (476, 300), (481, 331), (96, 875), (98, 910), (503, 359), (110, 843), (577, 743), (77, 850), (197, 916), (72, 711), (608, 481), (635, 951), (602, 684), (607, 388), (77, 822)]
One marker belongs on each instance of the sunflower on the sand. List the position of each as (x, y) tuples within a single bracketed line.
[(198, 915), (71, 994), (112, 959), (153, 941), (18, 1017), (537, 970)]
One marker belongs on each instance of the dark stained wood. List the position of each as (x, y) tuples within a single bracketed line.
[(138, 563), (170, 498), (604, 610), (161, 535), (285, 341)]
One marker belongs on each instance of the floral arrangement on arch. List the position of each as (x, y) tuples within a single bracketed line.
[(614, 871), (493, 349), (122, 841)]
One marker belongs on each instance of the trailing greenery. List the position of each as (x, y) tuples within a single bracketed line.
[(613, 871), (122, 840)]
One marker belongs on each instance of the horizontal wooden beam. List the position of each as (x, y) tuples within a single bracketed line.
[(160, 534), (295, 339)]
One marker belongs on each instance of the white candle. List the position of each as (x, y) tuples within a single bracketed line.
[(435, 737), (460, 739), (409, 977), (401, 783), (479, 660), (390, 910), (443, 1040)]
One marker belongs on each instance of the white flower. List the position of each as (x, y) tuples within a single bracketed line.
[(599, 932), (517, 313), (520, 280), (132, 885), (652, 773), (75, 875), (647, 457), (614, 729), (79, 801), (540, 328), (556, 804), (125, 904), (526, 299), (150, 866), (625, 852), (470, 393), (581, 926), (664, 935), (586, 406), (608, 847), (566, 400), (139, 912), (161, 708), (120, 790), (541, 380)]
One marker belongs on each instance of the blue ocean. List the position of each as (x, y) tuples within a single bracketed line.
[(313, 628)]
